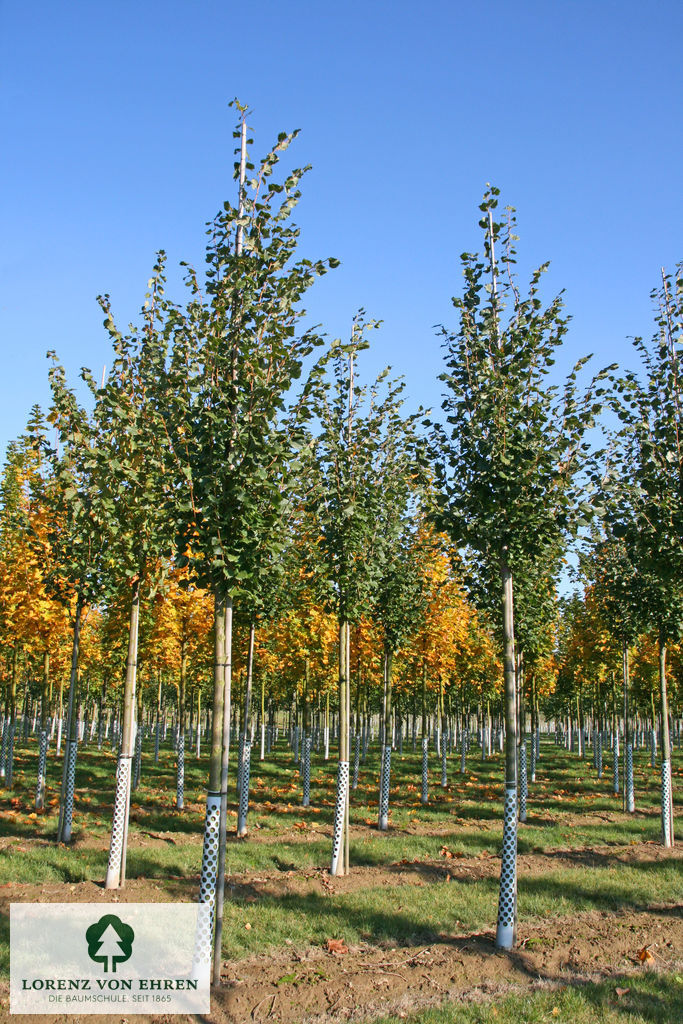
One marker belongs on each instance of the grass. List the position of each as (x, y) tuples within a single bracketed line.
[(565, 786), (466, 816), (648, 998), (407, 914)]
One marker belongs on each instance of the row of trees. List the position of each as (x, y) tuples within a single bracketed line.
[(221, 443)]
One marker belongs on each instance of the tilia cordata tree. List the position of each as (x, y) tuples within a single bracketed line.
[(134, 483), (362, 466), (647, 513), (508, 460), (235, 357), (70, 493), (616, 590), (400, 603)]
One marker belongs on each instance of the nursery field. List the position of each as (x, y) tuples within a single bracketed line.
[(409, 933)]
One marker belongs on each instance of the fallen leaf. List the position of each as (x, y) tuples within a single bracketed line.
[(645, 956), (247, 927), (622, 992), (337, 946)]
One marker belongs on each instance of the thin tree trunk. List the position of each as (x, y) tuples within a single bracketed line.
[(338, 858), (424, 794), (667, 794), (245, 751), (306, 751), (225, 757), (347, 823), (42, 742), (629, 796), (66, 803), (385, 774), (199, 722), (212, 821), (263, 717), (116, 868), (180, 761), (507, 906)]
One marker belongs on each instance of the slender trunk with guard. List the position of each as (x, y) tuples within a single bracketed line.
[(224, 762), (180, 762), (306, 750), (667, 793), (66, 803), (42, 739), (385, 774), (507, 906), (116, 867), (212, 820), (245, 751), (338, 844), (424, 794)]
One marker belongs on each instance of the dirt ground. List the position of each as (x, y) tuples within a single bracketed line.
[(314, 985)]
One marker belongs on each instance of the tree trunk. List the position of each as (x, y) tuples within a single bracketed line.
[(338, 844), (667, 794), (629, 797), (245, 751), (66, 803), (424, 794), (116, 868), (262, 755), (210, 850), (306, 754), (226, 704), (180, 762), (385, 773), (42, 742), (507, 904)]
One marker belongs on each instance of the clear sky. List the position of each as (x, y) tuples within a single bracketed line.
[(116, 139)]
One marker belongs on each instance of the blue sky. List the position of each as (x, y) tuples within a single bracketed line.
[(117, 141)]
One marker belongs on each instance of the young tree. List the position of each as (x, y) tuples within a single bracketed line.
[(71, 494), (362, 466), (509, 460), (647, 510), (235, 358), (130, 468), (400, 604)]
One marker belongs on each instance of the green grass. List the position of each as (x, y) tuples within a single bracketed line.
[(410, 914), (651, 999), (466, 817)]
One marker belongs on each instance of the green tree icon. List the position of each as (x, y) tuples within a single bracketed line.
[(110, 941)]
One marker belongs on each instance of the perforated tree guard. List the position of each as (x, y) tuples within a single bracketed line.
[(507, 900), (339, 812)]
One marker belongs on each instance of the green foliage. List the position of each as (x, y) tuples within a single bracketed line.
[(509, 459), (364, 467), (70, 492), (129, 455), (642, 484), (235, 357)]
